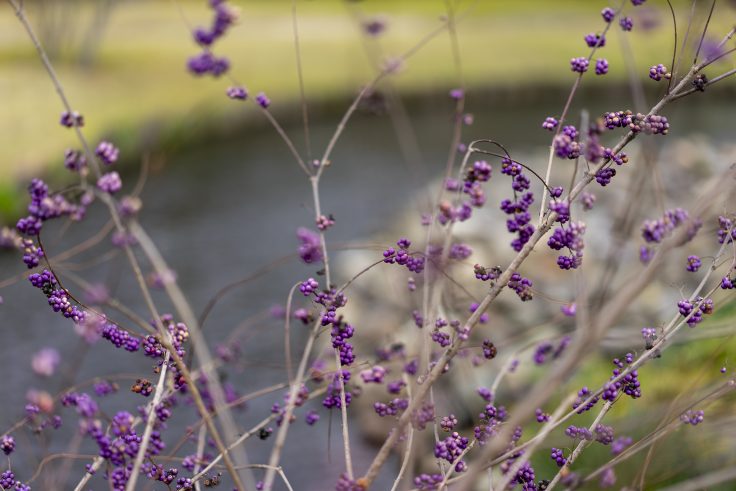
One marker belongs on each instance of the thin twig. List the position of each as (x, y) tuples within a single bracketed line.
[(249, 434), (278, 446), (684, 41), (199, 455), (146, 438), (674, 45), (302, 97), (289, 144), (705, 30), (287, 330), (580, 447), (409, 441)]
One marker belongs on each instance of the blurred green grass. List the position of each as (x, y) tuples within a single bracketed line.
[(674, 381), (138, 90)]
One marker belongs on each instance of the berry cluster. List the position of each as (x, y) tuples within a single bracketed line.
[(178, 334), (7, 444), (74, 160), (489, 350), (688, 308), (460, 251), (565, 144), (545, 348), (594, 40), (402, 257), (332, 398), (650, 336), (472, 186), (604, 434), (263, 100), (427, 482), (57, 296), (525, 476), (390, 408), (579, 64), (110, 183), (520, 219), (237, 93), (522, 286), (448, 423), (726, 230), (578, 433), (601, 66), (658, 72), (650, 124), (373, 375), (8, 481), (441, 338), (558, 456), (32, 254), (692, 417), (143, 387), (550, 123), (120, 338), (583, 395), (483, 273), (604, 175), (301, 397), (693, 264), (450, 449), (205, 62), (107, 152), (620, 444), (325, 222), (44, 206), (700, 81), (489, 420), (423, 416), (71, 119), (310, 249), (587, 200), (655, 231), (727, 283), (629, 384), (308, 287), (570, 237), (340, 333)]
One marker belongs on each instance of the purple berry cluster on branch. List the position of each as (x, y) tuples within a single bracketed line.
[(518, 209), (206, 62), (629, 384), (403, 257)]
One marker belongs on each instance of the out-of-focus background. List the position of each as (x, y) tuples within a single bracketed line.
[(122, 63), (223, 196)]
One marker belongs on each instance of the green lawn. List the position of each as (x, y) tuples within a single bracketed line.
[(139, 90)]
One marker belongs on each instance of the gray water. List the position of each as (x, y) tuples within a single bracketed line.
[(220, 211)]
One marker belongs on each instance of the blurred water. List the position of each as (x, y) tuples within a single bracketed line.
[(219, 212)]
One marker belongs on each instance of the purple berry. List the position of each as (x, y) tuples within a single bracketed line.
[(579, 65)]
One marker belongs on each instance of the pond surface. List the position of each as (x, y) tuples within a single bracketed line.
[(220, 212)]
